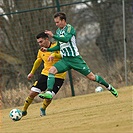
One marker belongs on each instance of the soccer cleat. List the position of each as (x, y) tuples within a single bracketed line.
[(24, 113), (113, 91), (42, 112), (45, 96)]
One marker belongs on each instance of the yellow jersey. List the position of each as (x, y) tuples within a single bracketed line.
[(43, 56)]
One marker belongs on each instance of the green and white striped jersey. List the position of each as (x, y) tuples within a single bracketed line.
[(66, 39)]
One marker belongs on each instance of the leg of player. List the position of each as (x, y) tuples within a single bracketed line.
[(100, 80), (28, 101), (45, 104), (58, 83), (50, 84)]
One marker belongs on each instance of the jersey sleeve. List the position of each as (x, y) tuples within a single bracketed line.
[(36, 64), (67, 36)]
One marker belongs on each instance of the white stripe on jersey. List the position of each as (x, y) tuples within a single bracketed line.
[(68, 49), (73, 40)]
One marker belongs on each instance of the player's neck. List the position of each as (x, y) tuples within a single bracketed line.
[(63, 27), (49, 45)]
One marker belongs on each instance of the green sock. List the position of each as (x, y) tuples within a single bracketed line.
[(50, 81), (100, 80)]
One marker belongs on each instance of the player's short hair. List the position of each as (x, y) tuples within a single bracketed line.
[(42, 35), (62, 15)]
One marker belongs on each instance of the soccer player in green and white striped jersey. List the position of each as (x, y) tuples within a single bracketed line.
[(71, 59)]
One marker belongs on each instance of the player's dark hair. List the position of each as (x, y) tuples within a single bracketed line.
[(62, 15), (42, 35)]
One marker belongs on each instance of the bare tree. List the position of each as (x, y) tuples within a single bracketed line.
[(18, 30), (108, 15)]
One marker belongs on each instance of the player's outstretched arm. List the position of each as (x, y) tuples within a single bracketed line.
[(36, 64)]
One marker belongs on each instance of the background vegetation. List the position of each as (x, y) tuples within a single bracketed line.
[(99, 26)]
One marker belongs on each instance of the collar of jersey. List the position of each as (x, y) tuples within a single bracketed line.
[(50, 45)]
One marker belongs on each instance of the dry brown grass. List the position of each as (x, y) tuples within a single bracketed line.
[(92, 113), (114, 75)]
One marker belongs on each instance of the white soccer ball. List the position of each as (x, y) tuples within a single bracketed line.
[(15, 114), (98, 89)]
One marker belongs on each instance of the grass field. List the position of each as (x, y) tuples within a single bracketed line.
[(92, 113)]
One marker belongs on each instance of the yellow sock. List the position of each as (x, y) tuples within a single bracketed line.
[(46, 102), (28, 101)]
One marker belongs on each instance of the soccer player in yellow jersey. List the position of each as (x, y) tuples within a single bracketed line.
[(49, 59)]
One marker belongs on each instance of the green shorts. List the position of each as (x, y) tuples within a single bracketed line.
[(76, 63)]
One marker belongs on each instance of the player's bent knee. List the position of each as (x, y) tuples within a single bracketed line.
[(53, 70), (91, 76), (33, 93)]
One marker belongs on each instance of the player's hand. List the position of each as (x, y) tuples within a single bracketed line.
[(30, 75), (43, 49), (49, 33), (50, 58)]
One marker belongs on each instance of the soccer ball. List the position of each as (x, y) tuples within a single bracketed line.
[(98, 89), (15, 114)]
